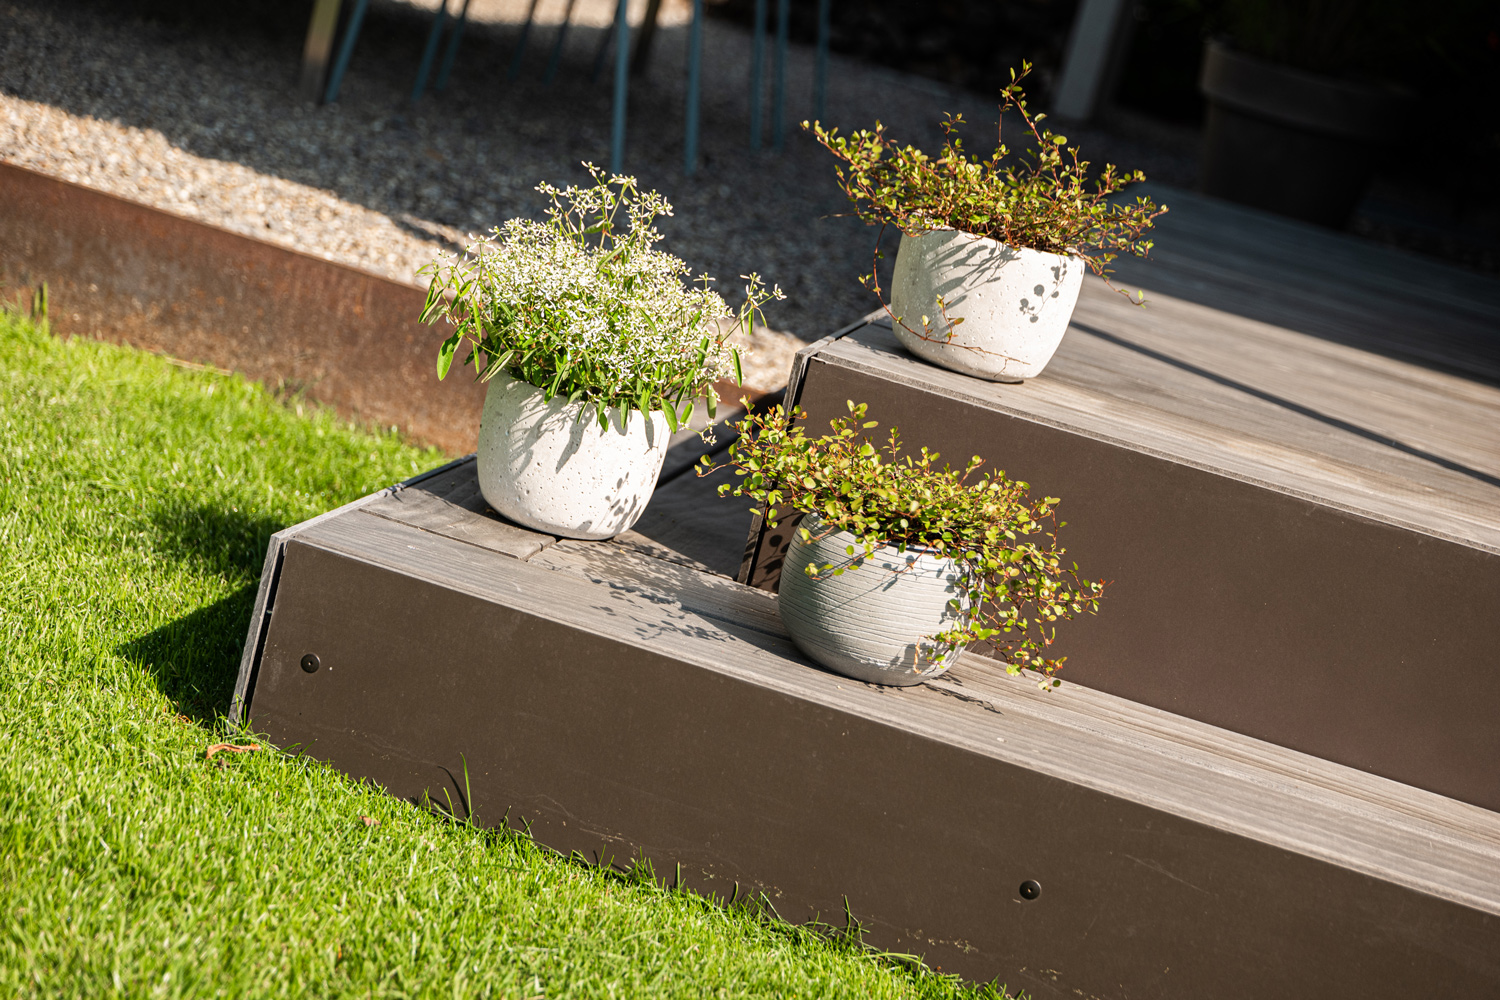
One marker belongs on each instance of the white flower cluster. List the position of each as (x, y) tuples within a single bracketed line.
[(621, 313), (584, 305)]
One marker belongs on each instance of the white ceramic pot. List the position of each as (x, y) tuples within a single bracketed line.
[(872, 622), (541, 466), (1015, 304)]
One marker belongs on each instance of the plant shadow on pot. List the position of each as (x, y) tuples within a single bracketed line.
[(548, 465), (870, 621), (980, 307)]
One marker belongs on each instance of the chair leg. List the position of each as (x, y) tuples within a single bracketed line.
[(778, 81), (694, 84), (449, 56), (430, 52), (820, 80), (622, 83), (321, 28), (346, 49), (757, 72)]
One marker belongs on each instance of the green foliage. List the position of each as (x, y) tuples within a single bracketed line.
[(1003, 542), (583, 305), (1037, 200), (136, 499)]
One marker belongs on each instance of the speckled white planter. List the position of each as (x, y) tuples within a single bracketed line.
[(541, 466), (871, 622), (1015, 304)]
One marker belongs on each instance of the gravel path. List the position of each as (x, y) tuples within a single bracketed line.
[(196, 112)]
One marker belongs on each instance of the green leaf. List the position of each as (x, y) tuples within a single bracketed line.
[(445, 356)]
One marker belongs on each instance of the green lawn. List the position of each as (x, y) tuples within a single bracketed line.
[(136, 499)]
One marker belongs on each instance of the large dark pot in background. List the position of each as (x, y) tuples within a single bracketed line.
[(1289, 141)]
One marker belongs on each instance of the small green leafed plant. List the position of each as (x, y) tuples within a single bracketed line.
[(1013, 583), (1042, 199), (584, 305)]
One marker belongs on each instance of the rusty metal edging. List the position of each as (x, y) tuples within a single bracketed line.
[(128, 273)]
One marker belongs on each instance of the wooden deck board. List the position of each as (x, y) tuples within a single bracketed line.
[(1305, 278), (1217, 418), (1256, 789), (1318, 418), (1287, 464), (622, 702)]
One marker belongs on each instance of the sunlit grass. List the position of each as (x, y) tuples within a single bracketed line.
[(136, 499)]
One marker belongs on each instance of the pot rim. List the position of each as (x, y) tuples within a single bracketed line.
[(916, 547), (580, 404), (976, 238)]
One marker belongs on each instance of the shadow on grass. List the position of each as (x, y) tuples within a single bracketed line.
[(194, 659), (218, 539)]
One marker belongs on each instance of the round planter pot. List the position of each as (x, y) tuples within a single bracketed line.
[(1015, 304), (871, 622), (543, 467), (1289, 141)]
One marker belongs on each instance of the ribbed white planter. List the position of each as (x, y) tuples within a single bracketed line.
[(1015, 304), (541, 466), (869, 623)]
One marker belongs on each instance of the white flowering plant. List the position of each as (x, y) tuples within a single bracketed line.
[(585, 306)]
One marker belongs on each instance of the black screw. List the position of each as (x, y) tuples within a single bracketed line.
[(1031, 889), (310, 662)]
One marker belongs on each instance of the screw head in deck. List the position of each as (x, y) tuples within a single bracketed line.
[(1031, 889), (310, 662)]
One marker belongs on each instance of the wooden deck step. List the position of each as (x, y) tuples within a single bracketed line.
[(1287, 465), (622, 701)]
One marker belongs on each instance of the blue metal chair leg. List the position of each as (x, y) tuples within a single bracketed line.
[(820, 80), (452, 52), (519, 54), (757, 72), (430, 52), (555, 60), (622, 82), (778, 80), (346, 49), (694, 84)]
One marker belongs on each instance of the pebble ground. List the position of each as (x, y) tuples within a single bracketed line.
[(193, 108)]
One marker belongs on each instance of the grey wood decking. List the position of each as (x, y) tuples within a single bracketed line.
[(621, 702), (1266, 771), (1287, 464)]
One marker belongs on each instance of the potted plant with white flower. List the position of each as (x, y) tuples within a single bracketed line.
[(594, 348), (897, 564), (993, 249)]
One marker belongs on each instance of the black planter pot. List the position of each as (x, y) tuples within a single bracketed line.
[(1288, 141)]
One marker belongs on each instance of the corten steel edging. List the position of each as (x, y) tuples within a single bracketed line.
[(128, 273), (1257, 611), (610, 749)]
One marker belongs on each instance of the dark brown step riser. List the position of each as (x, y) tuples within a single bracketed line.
[(608, 747), (1249, 608)]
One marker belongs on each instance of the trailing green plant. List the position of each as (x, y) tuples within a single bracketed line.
[(1013, 584), (584, 305), (1037, 199)]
